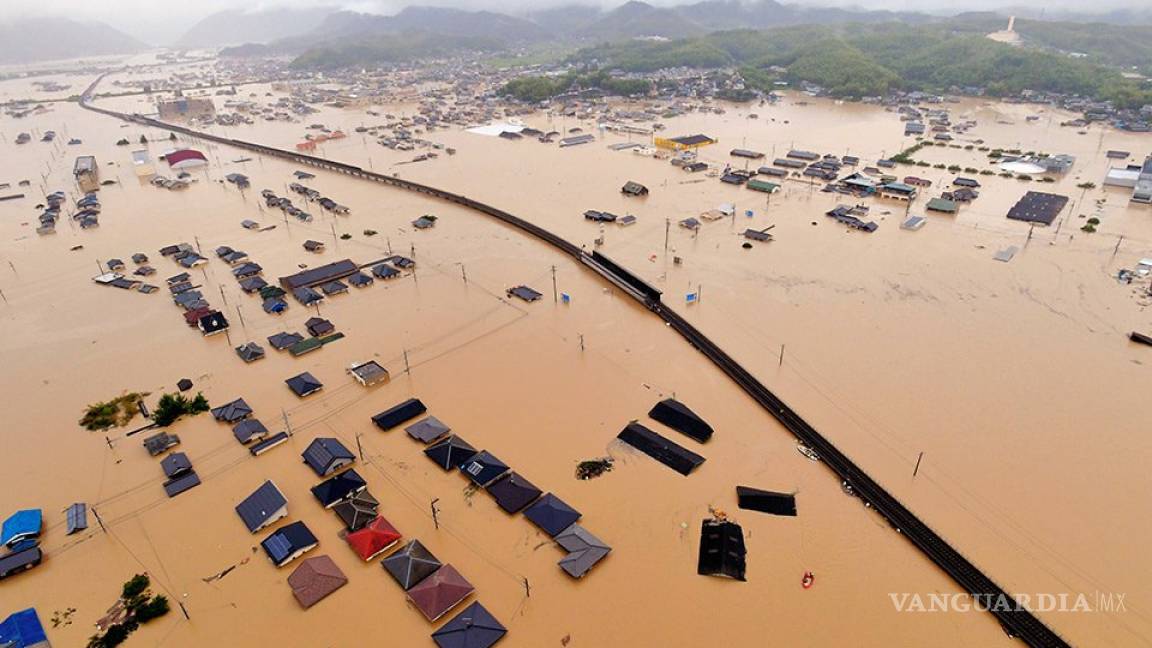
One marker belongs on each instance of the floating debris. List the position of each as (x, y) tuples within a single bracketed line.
[(592, 468)]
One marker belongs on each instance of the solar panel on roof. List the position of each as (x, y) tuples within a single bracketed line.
[(278, 547)]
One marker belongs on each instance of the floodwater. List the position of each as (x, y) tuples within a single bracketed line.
[(1015, 380)]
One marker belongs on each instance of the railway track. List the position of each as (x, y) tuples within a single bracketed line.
[(1018, 623)]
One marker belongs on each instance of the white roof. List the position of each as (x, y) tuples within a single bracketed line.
[(495, 128)]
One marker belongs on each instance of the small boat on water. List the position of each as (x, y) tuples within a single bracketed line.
[(809, 578), (807, 452)]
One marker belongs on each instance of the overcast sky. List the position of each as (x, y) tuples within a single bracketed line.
[(163, 21)]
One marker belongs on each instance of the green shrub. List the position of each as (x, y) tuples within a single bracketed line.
[(172, 406), (114, 413), (154, 608)]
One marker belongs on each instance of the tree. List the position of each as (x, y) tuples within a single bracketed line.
[(172, 406)]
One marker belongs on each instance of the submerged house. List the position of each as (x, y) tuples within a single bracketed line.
[(159, 443), (281, 341), (249, 430), (484, 468), (373, 539), (411, 564), (212, 323), (21, 526), (631, 188), (897, 191), (763, 185), (473, 627), (551, 514), (394, 416), (524, 292), (316, 579), (369, 373), (361, 280), (289, 543), (428, 429), (232, 412), (513, 492), (319, 327), (18, 561), (681, 418), (661, 449), (263, 507), (357, 511), (181, 477), (437, 594), (326, 455), (684, 143), (584, 550), (319, 275), (304, 384), (450, 453), (22, 629), (754, 499), (1038, 207), (250, 352), (385, 271), (338, 488), (745, 153), (722, 551), (941, 205), (307, 296)]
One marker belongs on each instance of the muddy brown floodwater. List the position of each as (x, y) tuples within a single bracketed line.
[(1015, 380)]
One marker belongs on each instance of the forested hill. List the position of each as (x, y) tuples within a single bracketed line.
[(860, 60)]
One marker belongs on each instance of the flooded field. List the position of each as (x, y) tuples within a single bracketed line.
[(1014, 380)]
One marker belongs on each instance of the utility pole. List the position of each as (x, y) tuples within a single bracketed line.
[(287, 425), (463, 273), (407, 369), (359, 447), (581, 342), (917, 468), (1117, 248), (555, 297), (435, 512), (527, 588), (781, 356), (667, 228), (98, 520)]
